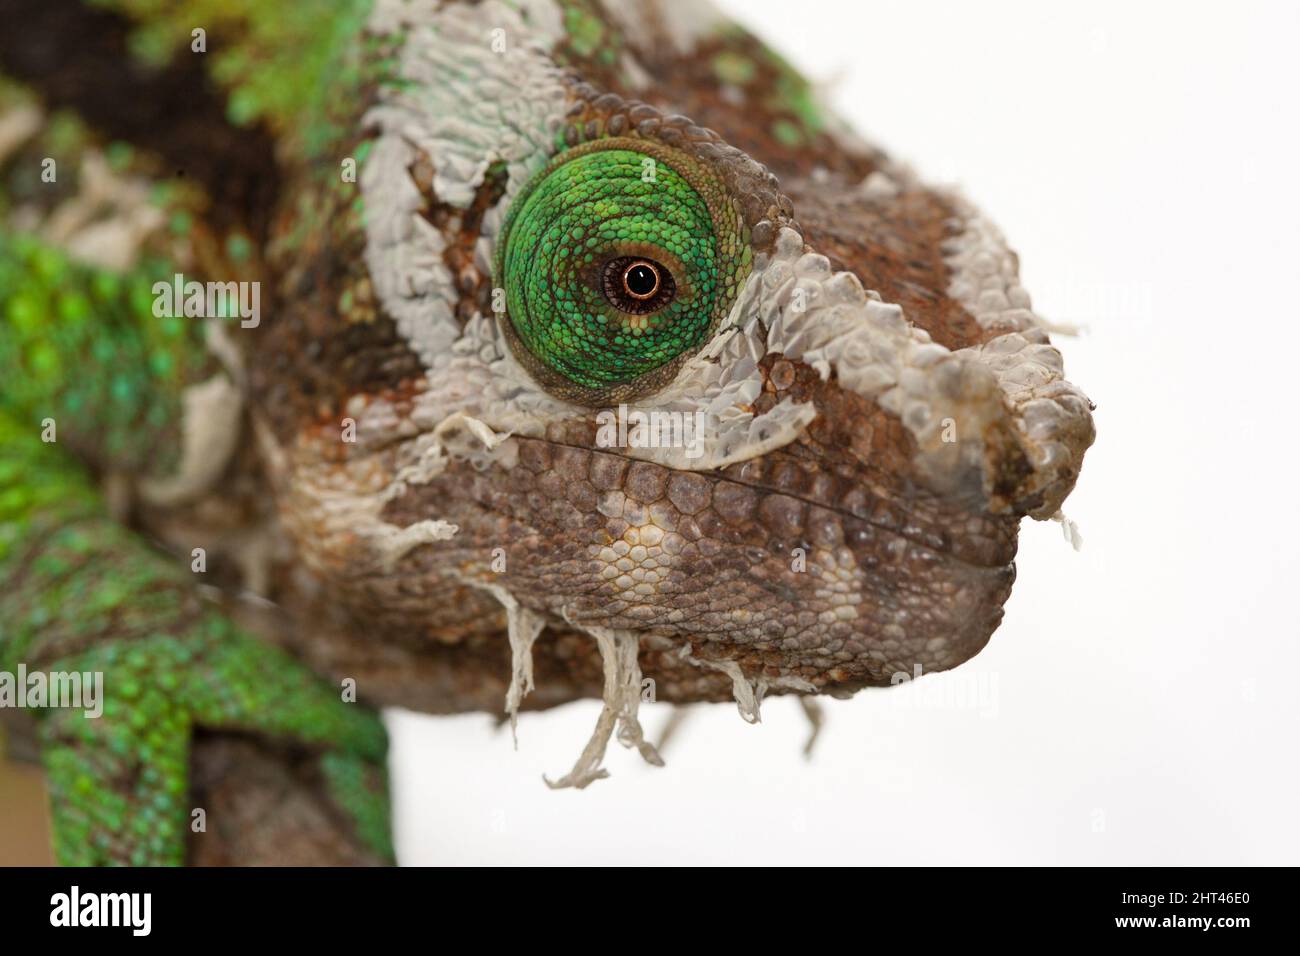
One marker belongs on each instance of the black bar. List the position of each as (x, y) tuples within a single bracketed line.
[(333, 906)]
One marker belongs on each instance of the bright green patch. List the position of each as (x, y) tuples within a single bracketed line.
[(599, 204), (586, 31), (734, 68), (787, 133)]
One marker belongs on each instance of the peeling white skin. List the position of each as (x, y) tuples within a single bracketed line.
[(1070, 530), (748, 694), (456, 436), (796, 306), (986, 274), (448, 61), (1050, 414), (747, 702), (622, 699), (211, 423), (523, 627), (395, 546), (1048, 411), (345, 502)]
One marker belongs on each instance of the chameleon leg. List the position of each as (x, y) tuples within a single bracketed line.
[(79, 593), (269, 805)]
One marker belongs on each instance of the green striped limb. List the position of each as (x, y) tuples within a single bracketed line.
[(82, 595)]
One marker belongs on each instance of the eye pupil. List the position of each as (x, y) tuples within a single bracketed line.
[(638, 285), (641, 280)]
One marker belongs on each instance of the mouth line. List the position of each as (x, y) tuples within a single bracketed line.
[(842, 513)]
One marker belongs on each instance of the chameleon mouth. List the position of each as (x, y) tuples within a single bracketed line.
[(803, 570)]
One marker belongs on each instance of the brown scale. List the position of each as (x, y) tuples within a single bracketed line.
[(745, 116), (895, 246), (754, 189)]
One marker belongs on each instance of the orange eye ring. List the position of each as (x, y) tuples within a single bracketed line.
[(641, 280)]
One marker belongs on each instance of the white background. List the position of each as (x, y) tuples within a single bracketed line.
[(1138, 704)]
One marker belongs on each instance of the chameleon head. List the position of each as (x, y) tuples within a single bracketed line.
[(778, 423)]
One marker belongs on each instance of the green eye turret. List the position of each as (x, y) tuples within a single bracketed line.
[(619, 259)]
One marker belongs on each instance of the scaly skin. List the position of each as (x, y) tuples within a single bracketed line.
[(83, 594), (423, 488), (608, 204)]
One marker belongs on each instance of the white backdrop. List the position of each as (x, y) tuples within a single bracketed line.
[(1138, 704)]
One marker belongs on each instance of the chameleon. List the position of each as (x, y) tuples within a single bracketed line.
[(596, 358)]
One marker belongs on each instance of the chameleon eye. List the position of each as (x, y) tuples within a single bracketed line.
[(618, 260)]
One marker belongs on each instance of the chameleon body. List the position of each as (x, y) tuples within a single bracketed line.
[(562, 215)]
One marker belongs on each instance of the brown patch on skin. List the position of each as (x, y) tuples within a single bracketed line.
[(461, 229), (266, 805), (895, 246), (746, 114), (331, 339), (78, 56), (308, 356), (692, 87)]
